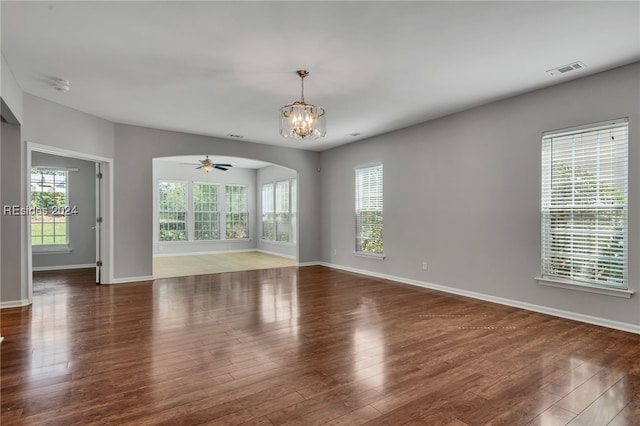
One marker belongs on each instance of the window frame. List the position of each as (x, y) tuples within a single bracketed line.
[(293, 208), (267, 210), (358, 251), (216, 212), (228, 211), (274, 220), (185, 212), (578, 234), (39, 212), (282, 215)]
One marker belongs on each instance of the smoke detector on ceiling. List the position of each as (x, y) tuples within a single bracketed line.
[(61, 85), (567, 68)]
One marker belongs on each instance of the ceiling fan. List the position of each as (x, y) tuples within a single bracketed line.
[(207, 165)]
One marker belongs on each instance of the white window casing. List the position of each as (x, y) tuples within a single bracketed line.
[(369, 211), (585, 205)]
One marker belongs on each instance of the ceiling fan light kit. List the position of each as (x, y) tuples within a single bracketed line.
[(302, 120), (207, 165)]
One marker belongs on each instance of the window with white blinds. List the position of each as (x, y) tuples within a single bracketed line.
[(369, 211), (584, 204)]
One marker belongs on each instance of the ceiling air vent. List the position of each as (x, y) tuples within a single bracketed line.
[(566, 68)]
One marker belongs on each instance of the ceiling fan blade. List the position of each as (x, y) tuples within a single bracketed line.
[(199, 167), (219, 167), (224, 165)]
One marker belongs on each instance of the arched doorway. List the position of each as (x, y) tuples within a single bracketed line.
[(221, 219)]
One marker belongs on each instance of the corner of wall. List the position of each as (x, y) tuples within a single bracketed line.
[(10, 90)]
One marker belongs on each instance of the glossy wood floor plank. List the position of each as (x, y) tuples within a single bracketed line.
[(302, 346)]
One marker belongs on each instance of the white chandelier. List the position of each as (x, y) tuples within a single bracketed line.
[(301, 120)]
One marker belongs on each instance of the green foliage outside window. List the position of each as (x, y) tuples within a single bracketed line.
[(582, 204), (172, 215), (49, 225), (370, 224)]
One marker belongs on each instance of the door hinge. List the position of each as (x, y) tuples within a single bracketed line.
[(99, 175), (98, 220), (99, 263)]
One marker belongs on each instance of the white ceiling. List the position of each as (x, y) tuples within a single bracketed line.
[(220, 68)]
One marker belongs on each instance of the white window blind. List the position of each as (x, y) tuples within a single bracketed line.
[(369, 210), (584, 204)]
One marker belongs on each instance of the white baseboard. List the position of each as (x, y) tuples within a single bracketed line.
[(273, 253), (604, 322), (131, 279), (196, 253), (62, 267), (14, 303), (314, 264)]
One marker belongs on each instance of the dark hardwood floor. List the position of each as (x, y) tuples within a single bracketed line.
[(303, 346)]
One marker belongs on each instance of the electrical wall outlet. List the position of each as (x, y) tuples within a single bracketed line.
[(424, 265)]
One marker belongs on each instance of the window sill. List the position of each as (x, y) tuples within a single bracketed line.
[(50, 250), (569, 285), (373, 256)]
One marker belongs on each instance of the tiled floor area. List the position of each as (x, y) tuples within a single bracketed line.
[(181, 266)]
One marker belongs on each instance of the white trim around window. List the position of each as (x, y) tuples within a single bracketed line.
[(585, 207), (369, 212), (279, 212)]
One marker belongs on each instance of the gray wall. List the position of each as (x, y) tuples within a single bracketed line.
[(54, 125), (462, 193), (10, 91), (135, 148), (13, 292), (12, 272), (165, 170), (272, 174), (82, 194)]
